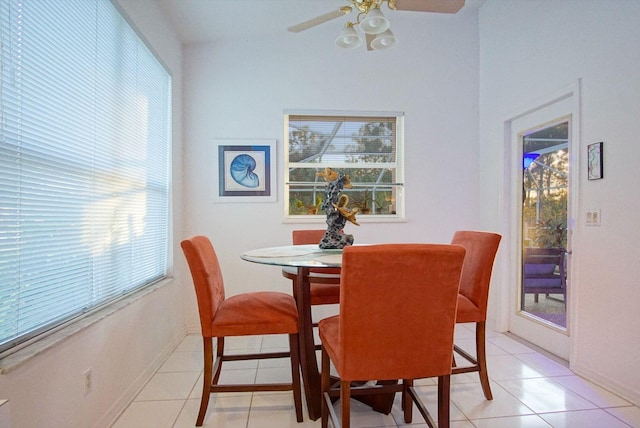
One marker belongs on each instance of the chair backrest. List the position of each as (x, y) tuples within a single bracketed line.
[(398, 310), (307, 236), (478, 264), (312, 236), (207, 278)]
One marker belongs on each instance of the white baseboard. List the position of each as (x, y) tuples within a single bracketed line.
[(5, 417), (615, 387)]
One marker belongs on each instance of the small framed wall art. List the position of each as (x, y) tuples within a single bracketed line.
[(594, 161), (246, 171)]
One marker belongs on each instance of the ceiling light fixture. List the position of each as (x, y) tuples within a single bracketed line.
[(372, 22), (384, 40), (348, 38)]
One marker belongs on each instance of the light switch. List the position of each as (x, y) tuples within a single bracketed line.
[(593, 218)]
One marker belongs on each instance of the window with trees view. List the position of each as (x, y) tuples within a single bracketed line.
[(365, 146)]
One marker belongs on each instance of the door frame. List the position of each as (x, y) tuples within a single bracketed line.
[(539, 334)]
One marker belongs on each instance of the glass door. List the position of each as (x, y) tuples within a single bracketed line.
[(545, 185), (541, 208)]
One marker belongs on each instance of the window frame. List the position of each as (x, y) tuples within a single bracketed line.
[(396, 166)]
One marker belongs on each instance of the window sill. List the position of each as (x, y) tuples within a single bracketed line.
[(307, 219), (44, 342)]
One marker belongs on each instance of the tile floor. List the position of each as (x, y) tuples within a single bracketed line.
[(530, 390)]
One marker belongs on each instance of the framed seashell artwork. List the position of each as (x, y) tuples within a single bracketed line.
[(246, 171)]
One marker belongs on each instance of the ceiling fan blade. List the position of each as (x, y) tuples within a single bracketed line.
[(437, 6), (320, 19)]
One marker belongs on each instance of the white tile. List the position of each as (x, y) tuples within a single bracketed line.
[(522, 381), (526, 421), (630, 415), (452, 424), (510, 345), (426, 381), (469, 398), (429, 397), (247, 343), (183, 362), (504, 367), (227, 377), (237, 376), (544, 365), (168, 386), (274, 375), (191, 343), (362, 416), (544, 396), (150, 414), (460, 424), (274, 362), (583, 419), (472, 377), (469, 345), (592, 392), (464, 331), (223, 411), (490, 333), (276, 410), (275, 341), (239, 365), (460, 361)]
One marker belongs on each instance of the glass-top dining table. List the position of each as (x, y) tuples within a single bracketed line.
[(304, 264)]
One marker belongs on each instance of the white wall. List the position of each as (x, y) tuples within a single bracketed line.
[(239, 88), (125, 348), (529, 50)]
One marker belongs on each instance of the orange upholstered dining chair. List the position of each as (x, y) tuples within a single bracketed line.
[(321, 293), (396, 321), (248, 314), (474, 295)]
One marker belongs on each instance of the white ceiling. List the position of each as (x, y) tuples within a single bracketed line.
[(198, 21)]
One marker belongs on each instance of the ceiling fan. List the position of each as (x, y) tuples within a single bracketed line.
[(372, 22)]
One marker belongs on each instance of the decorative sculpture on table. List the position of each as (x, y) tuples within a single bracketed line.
[(338, 213)]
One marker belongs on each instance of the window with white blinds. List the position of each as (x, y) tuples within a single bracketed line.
[(365, 146), (84, 163)]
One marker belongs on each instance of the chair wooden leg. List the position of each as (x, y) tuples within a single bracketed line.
[(481, 357), (407, 402), (444, 392), (217, 369), (345, 403), (294, 351), (325, 383), (206, 383)]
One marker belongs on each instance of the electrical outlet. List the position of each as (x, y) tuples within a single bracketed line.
[(88, 380)]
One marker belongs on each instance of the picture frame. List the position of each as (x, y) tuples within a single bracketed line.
[(246, 170), (594, 161)]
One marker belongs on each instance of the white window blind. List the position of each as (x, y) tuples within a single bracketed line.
[(365, 146), (84, 163)]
